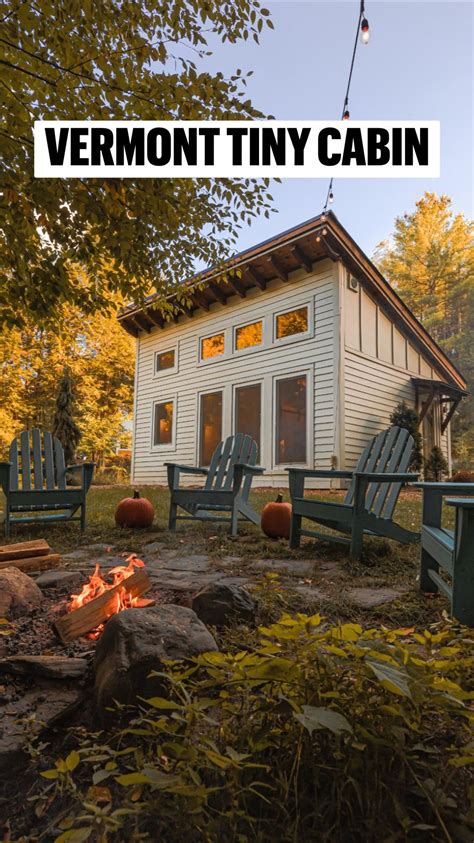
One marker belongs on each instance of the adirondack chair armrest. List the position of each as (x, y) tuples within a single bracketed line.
[(174, 470), (250, 469), (87, 469), (460, 502), (433, 494), (446, 488), (375, 477), (320, 472), (5, 476)]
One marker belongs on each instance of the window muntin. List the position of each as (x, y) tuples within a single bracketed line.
[(210, 425), (165, 360), (247, 336), (213, 346), (163, 423), (248, 410), (291, 420), (292, 322)]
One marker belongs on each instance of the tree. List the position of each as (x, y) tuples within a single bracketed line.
[(436, 465), (123, 59), (64, 426), (429, 260), (407, 418), (100, 361)]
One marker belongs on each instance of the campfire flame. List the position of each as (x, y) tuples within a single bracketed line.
[(97, 585)]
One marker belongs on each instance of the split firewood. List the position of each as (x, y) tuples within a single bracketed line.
[(97, 611), (24, 550), (34, 563), (52, 667)]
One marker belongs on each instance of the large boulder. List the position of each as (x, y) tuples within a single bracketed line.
[(19, 594), (136, 642), (220, 604)]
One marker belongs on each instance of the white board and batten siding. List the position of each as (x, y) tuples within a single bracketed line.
[(315, 354), (378, 364)]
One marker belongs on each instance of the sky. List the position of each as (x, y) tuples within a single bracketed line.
[(418, 65)]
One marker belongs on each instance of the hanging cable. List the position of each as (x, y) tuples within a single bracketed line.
[(363, 28)]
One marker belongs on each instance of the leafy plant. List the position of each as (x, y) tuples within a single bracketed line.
[(407, 418), (316, 734), (64, 426), (436, 466), (463, 476)]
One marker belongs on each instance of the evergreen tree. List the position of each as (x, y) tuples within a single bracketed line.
[(407, 418), (436, 465), (64, 426), (430, 261)]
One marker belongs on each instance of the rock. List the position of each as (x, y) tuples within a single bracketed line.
[(56, 579), (221, 603), (366, 598), (135, 642), (19, 593)]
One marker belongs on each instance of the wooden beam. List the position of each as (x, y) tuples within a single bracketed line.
[(142, 323), (303, 258), (449, 414), (131, 329), (218, 294), (200, 301), (237, 287), (426, 405), (155, 318), (33, 563), (279, 269), (255, 277), (24, 550), (92, 614)]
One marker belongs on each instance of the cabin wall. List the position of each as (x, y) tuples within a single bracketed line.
[(316, 355), (378, 364)]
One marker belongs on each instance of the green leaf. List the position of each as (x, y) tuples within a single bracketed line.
[(50, 774), (394, 679), (314, 718), (73, 760), (161, 702), (75, 835)]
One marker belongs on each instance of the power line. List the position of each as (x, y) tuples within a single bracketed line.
[(363, 28)]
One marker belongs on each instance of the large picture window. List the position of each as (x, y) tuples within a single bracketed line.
[(163, 423), (248, 411), (291, 431), (210, 427)]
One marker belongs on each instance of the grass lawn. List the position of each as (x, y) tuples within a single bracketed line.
[(385, 564)]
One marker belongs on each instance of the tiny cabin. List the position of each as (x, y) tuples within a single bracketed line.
[(302, 344)]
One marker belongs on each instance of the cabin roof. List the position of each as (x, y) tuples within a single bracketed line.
[(302, 246)]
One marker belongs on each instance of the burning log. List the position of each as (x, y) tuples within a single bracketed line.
[(98, 600)]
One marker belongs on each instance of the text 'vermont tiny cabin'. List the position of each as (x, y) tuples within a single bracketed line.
[(307, 348)]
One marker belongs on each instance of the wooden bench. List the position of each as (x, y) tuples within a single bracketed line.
[(452, 551)]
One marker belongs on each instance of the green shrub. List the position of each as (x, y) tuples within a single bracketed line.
[(321, 733), (436, 465), (407, 418)]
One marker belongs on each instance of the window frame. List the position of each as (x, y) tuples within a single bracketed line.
[(304, 335), (247, 385), (205, 362), (290, 375), (251, 348), (200, 396), (173, 370), (164, 446)]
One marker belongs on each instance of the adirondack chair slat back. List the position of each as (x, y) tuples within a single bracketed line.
[(39, 458), (390, 453), (236, 449)]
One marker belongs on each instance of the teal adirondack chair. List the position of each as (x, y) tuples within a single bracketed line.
[(370, 500), (35, 481), (227, 487), (452, 551)]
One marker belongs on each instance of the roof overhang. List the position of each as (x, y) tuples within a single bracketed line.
[(317, 239), (448, 395)]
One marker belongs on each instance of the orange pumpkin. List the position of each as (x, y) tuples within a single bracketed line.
[(276, 519), (134, 512)]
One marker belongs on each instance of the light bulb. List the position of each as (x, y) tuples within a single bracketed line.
[(364, 31), (346, 115), (331, 197), (323, 217)]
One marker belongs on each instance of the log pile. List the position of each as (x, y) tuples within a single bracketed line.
[(28, 556)]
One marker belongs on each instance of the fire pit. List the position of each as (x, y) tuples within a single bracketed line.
[(99, 599)]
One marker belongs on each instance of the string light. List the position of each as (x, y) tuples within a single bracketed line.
[(364, 31), (363, 27)]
